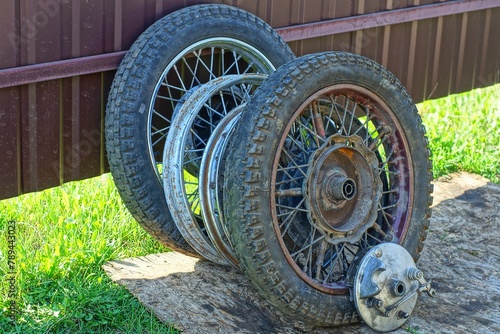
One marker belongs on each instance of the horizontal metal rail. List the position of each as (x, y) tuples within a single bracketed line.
[(110, 61), (60, 69), (380, 19)]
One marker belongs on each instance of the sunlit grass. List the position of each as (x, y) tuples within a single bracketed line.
[(464, 132), (64, 235)]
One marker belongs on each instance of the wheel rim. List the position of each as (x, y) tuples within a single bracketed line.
[(195, 65), (182, 182), (210, 185), (341, 182)]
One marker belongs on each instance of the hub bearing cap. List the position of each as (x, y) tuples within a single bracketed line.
[(385, 284)]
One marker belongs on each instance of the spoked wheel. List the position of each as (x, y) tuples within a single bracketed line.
[(192, 127), (183, 50), (329, 159)]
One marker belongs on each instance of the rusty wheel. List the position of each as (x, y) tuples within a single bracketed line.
[(331, 160)]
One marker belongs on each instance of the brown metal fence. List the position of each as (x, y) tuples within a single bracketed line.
[(57, 61)]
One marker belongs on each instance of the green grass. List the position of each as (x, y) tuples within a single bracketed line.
[(464, 132), (64, 235)]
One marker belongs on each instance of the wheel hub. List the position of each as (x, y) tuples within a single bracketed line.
[(343, 188)]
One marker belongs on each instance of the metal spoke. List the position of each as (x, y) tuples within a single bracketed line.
[(384, 214), (166, 84), (342, 129), (223, 71), (159, 139), (388, 206), (193, 72), (203, 120), (236, 60), (299, 145), (289, 219), (365, 240), (336, 262), (161, 116), (317, 123), (214, 111), (316, 137), (179, 76), (382, 170), (289, 192), (307, 246), (374, 238), (200, 61), (297, 180), (384, 164), (282, 169), (381, 138), (162, 131), (193, 160), (364, 126), (249, 67), (320, 258), (247, 91), (379, 230), (169, 91), (349, 250), (233, 95), (353, 112), (332, 102), (223, 103), (210, 70), (294, 163), (309, 261), (234, 64), (202, 140), (344, 115), (166, 98), (196, 150), (291, 208)]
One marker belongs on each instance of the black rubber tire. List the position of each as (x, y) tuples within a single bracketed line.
[(250, 158), (132, 90)]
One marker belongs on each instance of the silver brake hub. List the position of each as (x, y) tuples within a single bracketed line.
[(385, 284)]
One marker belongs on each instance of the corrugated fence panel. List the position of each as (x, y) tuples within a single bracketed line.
[(82, 112), (51, 128), (40, 102), (10, 142), (490, 65), (10, 109)]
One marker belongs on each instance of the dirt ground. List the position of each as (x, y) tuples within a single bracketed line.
[(462, 257)]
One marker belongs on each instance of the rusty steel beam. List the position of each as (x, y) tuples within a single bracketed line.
[(106, 62)]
